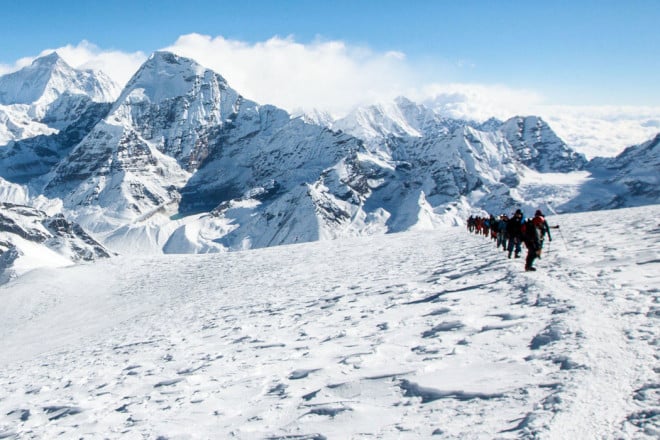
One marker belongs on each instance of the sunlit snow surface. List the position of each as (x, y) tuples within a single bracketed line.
[(411, 335)]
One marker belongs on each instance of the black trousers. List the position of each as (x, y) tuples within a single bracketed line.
[(532, 252)]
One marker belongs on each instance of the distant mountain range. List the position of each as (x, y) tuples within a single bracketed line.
[(180, 162)]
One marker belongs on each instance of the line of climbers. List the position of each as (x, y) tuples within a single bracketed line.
[(511, 232)]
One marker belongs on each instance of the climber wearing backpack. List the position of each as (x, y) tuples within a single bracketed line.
[(513, 233), (534, 231), (542, 226), (494, 228), (486, 226), (470, 223), (501, 232)]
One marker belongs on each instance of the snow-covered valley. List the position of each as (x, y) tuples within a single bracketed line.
[(410, 335)]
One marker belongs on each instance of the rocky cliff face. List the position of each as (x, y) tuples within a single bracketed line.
[(45, 110), (179, 138), (154, 136), (28, 234), (538, 147), (638, 171), (174, 104), (32, 158)]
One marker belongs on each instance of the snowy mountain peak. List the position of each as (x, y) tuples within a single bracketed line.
[(315, 116), (378, 121), (491, 124), (50, 77), (169, 63), (163, 56), (399, 118), (172, 102), (166, 75), (632, 177), (51, 59), (539, 147), (162, 127), (403, 102), (181, 162)]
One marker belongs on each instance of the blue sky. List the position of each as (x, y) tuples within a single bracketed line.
[(574, 52)]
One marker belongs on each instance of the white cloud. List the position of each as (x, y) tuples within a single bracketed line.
[(602, 130), (120, 66), (478, 101), (19, 64), (292, 75)]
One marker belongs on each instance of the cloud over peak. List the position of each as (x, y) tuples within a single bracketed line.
[(284, 72), (120, 66)]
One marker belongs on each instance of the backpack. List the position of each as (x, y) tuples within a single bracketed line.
[(527, 229), (539, 221)]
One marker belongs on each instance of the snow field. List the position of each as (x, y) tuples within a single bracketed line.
[(401, 336)]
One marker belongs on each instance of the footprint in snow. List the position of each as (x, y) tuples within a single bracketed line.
[(301, 374), (167, 383), (427, 394), (443, 327), (56, 412)]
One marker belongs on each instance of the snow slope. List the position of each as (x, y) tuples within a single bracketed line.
[(410, 335)]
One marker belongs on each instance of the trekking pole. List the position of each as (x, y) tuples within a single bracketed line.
[(560, 233), (562, 238)]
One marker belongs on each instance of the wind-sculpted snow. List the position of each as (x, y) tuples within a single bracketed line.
[(412, 335)]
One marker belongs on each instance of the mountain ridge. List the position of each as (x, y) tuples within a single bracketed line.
[(48, 77), (181, 162), (30, 238)]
